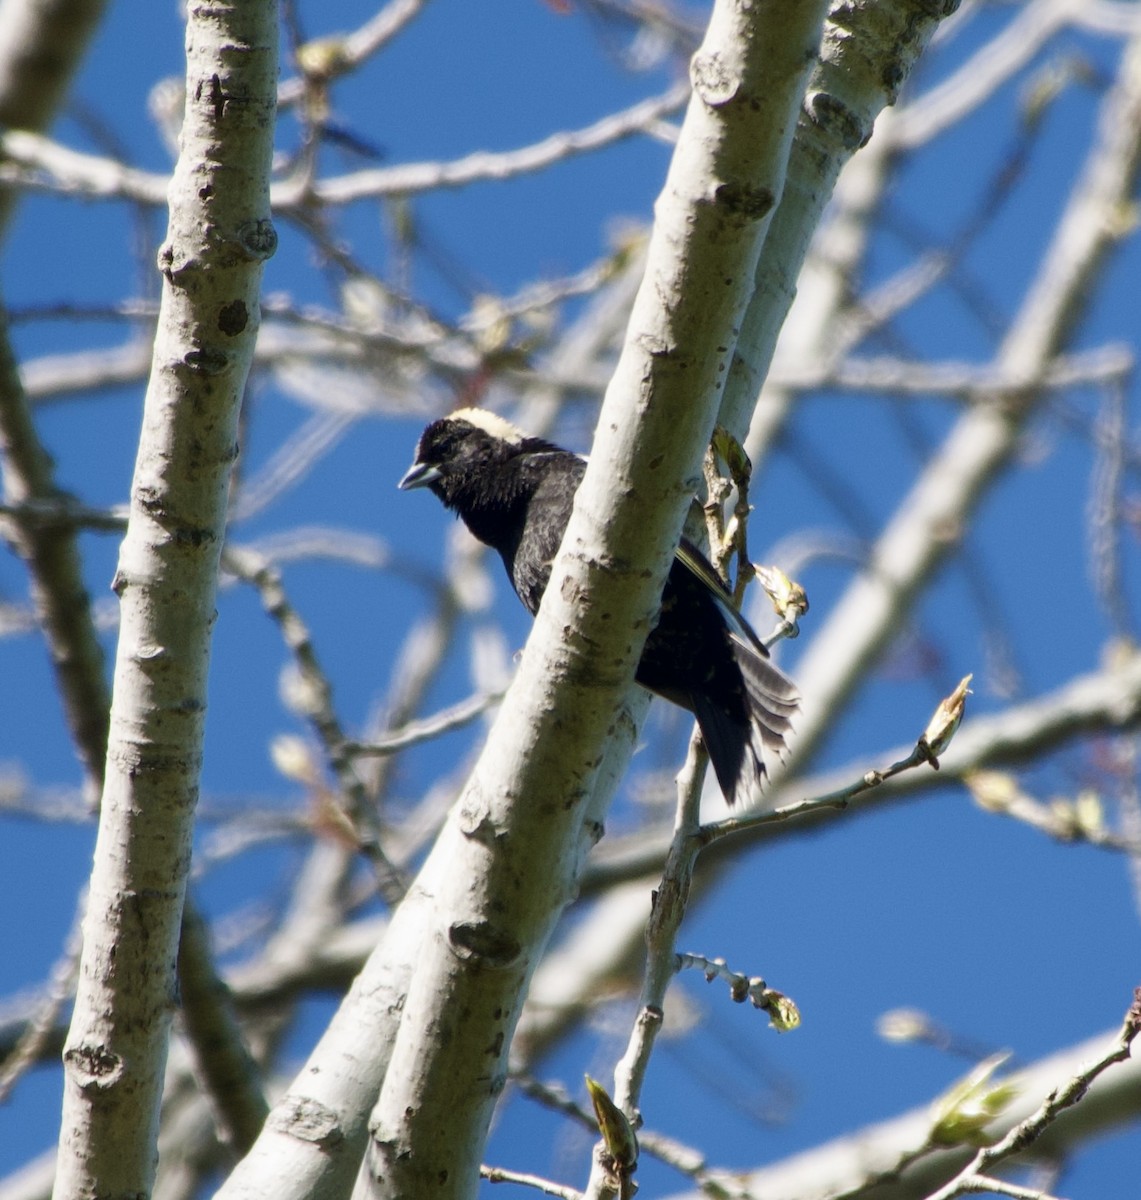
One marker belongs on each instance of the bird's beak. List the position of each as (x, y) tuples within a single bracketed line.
[(419, 475)]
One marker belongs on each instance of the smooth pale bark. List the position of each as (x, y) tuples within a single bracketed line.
[(870, 49), (41, 45), (932, 518), (516, 839), (219, 237)]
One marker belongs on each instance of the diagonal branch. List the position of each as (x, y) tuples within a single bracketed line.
[(515, 839), (923, 532), (63, 607), (41, 45)]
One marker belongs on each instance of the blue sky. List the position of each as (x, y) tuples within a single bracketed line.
[(1008, 938)]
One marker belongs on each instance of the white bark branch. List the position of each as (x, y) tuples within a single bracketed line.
[(515, 839), (869, 51), (219, 237), (863, 62), (41, 45), (39, 163), (923, 531)]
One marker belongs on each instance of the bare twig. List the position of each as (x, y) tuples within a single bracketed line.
[(782, 1012), (1104, 700), (60, 597), (42, 1034), (415, 732), (486, 166), (36, 162), (316, 696), (931, 744), (546, 1186), (222, 1058), (669, 907), (340, 55)]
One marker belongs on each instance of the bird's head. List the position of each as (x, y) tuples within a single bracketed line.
[(469, 444)]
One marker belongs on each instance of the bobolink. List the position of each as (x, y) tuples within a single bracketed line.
[(515, 493)]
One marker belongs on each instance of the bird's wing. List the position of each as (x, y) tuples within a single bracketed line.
[(698, 565), (775, 696)]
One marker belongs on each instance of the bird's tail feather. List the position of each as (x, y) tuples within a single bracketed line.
[(773, 697), (737, 751)]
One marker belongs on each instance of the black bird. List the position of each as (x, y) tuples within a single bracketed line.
[(515, 493)]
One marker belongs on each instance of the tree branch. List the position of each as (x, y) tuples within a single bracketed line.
[(515, 838), (219, 237)]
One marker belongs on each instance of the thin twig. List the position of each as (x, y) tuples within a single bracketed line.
[(838, 799), (782, 1012), (415, 732), (549, 1188), (318, 692), (43, 1026), (481, 166), (38, 163), (669, 907)]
